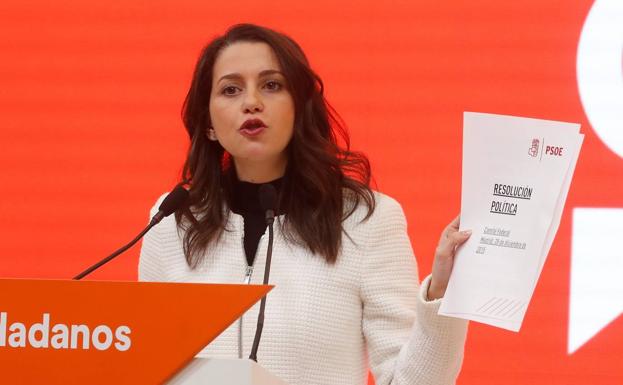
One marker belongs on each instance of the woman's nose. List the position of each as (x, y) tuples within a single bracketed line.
[(252, 102)]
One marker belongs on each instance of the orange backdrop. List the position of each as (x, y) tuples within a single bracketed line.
[(90, 98)]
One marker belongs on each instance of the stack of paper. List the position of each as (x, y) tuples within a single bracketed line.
[(516, 175)]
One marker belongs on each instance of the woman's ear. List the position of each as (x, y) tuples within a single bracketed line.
[(212, 134)]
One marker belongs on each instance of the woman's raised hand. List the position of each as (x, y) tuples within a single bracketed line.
[(451, 239)]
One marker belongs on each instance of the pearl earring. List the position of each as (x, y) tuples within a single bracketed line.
[(211, 134)]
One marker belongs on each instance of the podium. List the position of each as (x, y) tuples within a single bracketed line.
[(63, 332), (217, 371)]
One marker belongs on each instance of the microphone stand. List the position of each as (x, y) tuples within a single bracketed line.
[(96, 266), (270, 219), (173, 201)]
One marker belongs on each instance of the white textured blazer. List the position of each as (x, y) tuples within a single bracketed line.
[(327, 324)]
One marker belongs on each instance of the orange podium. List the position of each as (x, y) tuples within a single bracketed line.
[(92, 332)]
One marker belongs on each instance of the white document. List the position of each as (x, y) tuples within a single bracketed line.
[(516, 175)]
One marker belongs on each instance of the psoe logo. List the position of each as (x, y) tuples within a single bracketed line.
[(596, 292), (534, 148)]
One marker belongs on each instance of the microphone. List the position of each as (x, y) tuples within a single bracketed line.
[(173, 201), (268, 201)]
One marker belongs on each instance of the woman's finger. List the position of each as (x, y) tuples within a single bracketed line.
[(456, 222), (451, 240), (451, 228)]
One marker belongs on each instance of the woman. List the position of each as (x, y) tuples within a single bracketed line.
[(346, 295)]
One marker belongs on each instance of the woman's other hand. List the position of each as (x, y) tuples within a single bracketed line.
[(451, 239)]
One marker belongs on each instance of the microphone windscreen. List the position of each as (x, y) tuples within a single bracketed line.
[(268, 197), (173, 201)]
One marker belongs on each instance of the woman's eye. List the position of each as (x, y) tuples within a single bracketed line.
[(230, 90), (273, 85)]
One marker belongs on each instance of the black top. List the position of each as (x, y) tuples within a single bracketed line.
[(246, 202)]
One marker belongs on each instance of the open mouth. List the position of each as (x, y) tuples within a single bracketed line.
[(252, 127)]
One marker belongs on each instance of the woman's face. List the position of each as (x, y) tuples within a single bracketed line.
[(251, 109)]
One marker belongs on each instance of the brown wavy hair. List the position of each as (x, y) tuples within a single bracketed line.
[(324, 181)]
